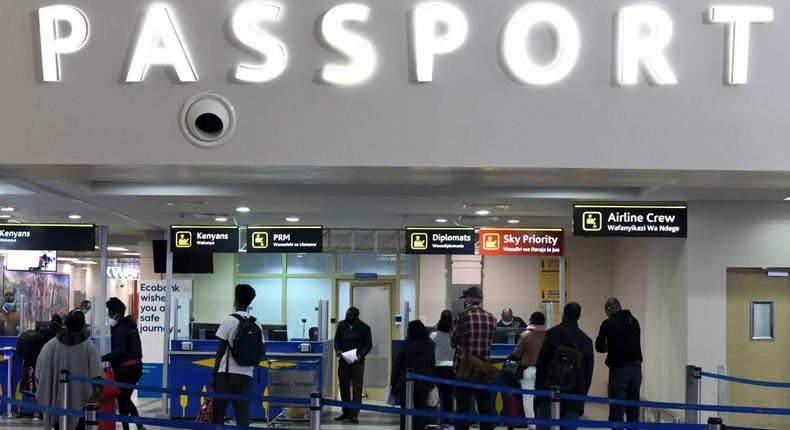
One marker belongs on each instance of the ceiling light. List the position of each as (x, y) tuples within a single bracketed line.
[(75, 216), (116, 248), (131, 254), (5, 216), (68, 260), (483, 212), (440, 220), (86, 262), (221, 219), (513, 221), (15, 221), (787, 199), (242, 209), (292, 219), (7, 209)]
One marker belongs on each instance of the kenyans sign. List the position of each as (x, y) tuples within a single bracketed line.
[(522, 241), (287, 239), (437, 240), (630, 220), (53, 237), (199, 239)]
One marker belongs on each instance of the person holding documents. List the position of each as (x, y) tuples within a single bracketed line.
[(352, 343)]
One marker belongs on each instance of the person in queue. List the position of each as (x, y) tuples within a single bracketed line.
[(472, 334), (510, 321), (620, 338), (417, 353), (229, 376), (9, 315), (125, 356), (70, 350), (565, 343), (351, 334), (444, 359), (526, 352), (28, 347)]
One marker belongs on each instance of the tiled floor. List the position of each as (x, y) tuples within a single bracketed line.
[(368, 420)]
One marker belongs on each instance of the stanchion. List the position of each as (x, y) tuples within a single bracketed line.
[(555, 406), (315, 411), (693, 392), (714, 423), (91, 423), (8, 355), (409, 419), (64, 391)]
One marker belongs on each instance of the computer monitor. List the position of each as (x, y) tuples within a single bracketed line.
[(507, 335), (279, 335), (268, 329), (204, 331)]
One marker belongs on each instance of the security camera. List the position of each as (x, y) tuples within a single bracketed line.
[(207, 120)]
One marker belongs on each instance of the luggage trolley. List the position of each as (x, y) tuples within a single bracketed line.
[(292, 381)]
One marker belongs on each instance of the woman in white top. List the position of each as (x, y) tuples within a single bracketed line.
[(444, 359)]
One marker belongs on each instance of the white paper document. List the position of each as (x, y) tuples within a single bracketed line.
[(350, 356)]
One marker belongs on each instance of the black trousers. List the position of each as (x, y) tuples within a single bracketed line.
[(232, 383), (350, 378), (463, 399), (129, 375), (445, 391), (420, 402)]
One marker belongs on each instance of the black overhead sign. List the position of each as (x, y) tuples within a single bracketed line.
[(285, 239), (197, 239), (437, 240), (630, 220), (52, 237)]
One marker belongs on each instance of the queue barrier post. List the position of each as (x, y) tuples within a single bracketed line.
[(555, 406), (715, 423), (8, 355), (693, 392), (91, 423), (64, 391), (315, 410), (409, 403)]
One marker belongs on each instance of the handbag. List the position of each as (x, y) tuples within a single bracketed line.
[(512, 372), (206, 414), (433, 398), (473, 369)]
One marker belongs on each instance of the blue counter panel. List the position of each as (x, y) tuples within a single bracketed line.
[(191, 370)]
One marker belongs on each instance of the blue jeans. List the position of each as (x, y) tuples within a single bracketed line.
[(624, 383)]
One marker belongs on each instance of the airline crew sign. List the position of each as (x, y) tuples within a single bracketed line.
[(522, 241), (630, 220)]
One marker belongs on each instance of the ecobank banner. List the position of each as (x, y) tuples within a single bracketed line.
[(152, 302)]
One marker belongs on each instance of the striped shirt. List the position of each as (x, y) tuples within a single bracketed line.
[(473, 332)]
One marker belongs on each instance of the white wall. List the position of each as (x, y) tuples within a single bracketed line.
[(432, 290), (725, 235), (511, 282)]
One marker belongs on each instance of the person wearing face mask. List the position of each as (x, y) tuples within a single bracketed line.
[(125, 356), (9, 316), (508, 320), (352, 334)]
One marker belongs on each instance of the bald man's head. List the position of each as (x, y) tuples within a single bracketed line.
[(507, 314), (612, 306)]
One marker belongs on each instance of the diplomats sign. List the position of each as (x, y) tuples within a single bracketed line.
[(437, 240), (286, 239), (630, 220), (522, 241), (52, 237), (204, 238)]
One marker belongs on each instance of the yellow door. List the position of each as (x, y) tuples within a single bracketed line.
[(758, 344)]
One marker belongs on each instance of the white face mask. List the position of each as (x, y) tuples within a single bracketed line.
[(113, 322)]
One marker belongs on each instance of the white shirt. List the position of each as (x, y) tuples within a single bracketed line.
[(444, 351), (227, 331)]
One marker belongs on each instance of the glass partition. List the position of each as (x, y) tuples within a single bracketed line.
[(265, 264), (302, 296), (309, 264), (381, 264), (267, 307)]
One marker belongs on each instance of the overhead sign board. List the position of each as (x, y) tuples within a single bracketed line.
[(287, 239), (437, 240), (53, 237), (522, 241), (204, 238), (630, 220)]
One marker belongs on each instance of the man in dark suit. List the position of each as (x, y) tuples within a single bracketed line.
[(566, 334), (352, 334)]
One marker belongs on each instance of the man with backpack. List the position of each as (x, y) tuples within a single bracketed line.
[(566, 362), (239, 353)]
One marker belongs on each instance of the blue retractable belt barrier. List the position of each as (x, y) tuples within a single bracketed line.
[(746, 381), (191, 393), (124, 419), (511, 421), (606, 400)]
